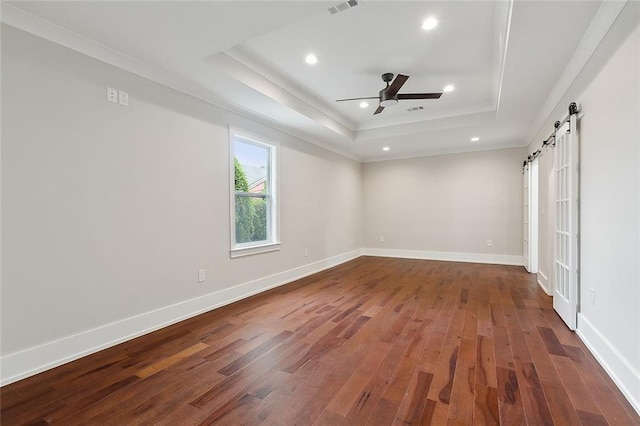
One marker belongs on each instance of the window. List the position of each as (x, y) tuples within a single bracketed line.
[(253, 196)]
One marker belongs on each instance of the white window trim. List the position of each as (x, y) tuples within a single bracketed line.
[(273, 243), (254, 249)]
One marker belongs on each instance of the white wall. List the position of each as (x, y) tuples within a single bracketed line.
[(446, 206), (109, 211), (609, 126)]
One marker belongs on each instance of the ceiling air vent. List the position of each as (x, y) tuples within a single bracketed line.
[(414, 109), (343, 6)]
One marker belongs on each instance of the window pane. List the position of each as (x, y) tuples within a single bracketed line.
[(251, 167), (253, 194), (251, 219)]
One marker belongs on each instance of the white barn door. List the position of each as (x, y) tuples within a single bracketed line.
[(565, 253)]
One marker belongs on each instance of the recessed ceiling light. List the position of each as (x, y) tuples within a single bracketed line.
[(386, 148), (429, 23), (364, 104), (448, 88), (475, 139), (311, 59)]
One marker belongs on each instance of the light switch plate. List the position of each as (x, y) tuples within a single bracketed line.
[(123, 98)]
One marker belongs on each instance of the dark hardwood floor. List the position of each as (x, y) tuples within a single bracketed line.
[(374, 341)]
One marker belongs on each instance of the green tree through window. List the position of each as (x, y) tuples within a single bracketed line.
[(245, 210)]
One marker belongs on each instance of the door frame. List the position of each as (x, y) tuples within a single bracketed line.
[(531, 219)]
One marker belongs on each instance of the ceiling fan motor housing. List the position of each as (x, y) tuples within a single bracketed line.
[(387, 100)]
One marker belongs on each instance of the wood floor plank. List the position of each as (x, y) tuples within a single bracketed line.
[(485, 409), (436, 413), (584, 363), (413, 404), (346, 397), (551, 342), (395, 391), (255, 353), (170, 397), (124, 400), (579, 394), (562, 410), (328, 418), (373, 391), (592, 419), (237, 384), (70, 409), (509, 397), (373, 341), (533, 399), (485, 362), (464, 386), (502, 348), (161, 365), (445, 369)]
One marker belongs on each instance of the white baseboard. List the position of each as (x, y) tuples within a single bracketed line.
[(543, 282), (31, 361), (624, 375), (498, 259)]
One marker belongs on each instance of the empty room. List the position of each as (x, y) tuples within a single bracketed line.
[(320, 212)]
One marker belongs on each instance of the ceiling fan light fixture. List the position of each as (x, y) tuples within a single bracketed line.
[(429, 23), (388, 102), (364, 104), (448, 88)]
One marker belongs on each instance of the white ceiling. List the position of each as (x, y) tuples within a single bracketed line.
[(505, 58)]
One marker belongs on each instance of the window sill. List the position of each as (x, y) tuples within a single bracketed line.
[(251, 250)]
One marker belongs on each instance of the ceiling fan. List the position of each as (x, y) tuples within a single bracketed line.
[(389, 95)]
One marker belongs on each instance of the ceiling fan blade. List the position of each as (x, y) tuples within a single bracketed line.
[(397, 84), (357, 99), (379, 110), (419, 95)]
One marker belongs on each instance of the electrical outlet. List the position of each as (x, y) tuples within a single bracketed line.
[(489, 243), (201, 276), (123, 98), (306, 252), (593, 295), (381, 239), (112, 95)]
